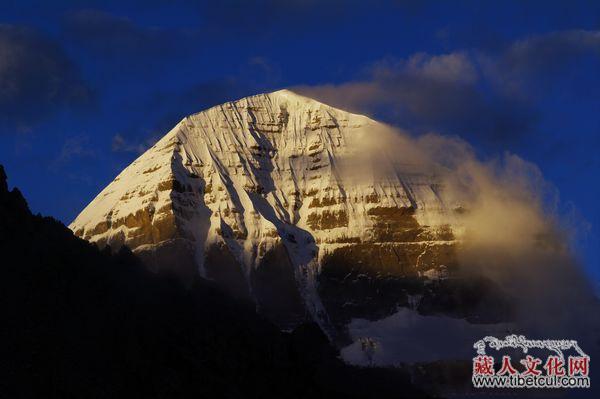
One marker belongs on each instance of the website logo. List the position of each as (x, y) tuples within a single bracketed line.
[(555, 364)]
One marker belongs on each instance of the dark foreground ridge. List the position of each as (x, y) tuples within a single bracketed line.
[(82, 323)]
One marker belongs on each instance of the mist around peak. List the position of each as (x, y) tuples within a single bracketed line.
[(504, 214)]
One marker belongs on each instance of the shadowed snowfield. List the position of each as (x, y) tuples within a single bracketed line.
[(408, 337)]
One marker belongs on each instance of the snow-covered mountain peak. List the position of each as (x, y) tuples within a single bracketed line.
[(253, 194)]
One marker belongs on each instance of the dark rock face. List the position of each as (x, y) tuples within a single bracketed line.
[(222, 267), (370, 281), (476, 299), (173, 256), (276, 291), (271, 286)]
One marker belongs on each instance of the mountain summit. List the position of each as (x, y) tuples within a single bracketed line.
[(270, 197)]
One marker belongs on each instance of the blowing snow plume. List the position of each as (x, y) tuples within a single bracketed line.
[(508, 231)]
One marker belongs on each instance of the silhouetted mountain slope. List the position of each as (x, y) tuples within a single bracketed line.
[(82, 323)]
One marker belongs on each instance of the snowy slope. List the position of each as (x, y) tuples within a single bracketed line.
[(257, 194)]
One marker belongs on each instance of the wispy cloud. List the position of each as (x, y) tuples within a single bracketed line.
[(36, 78), (121, 144), (76, 148), (444, 93), (484, 97), (539, 58), (111, 35), (510, 232)]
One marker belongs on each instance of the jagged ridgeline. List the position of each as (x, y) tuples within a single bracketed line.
[(254, 194)]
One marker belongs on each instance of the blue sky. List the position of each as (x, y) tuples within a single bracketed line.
[(85, 87)]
